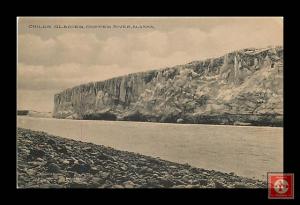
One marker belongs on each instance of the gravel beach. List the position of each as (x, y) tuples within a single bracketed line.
[(47, 161)]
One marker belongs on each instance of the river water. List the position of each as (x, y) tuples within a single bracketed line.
[(245, 150)]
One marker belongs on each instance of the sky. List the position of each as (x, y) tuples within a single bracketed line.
[(58, 53)]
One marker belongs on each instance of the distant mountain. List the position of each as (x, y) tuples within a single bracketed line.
[(22, 112), (244, 87), (33, 113)]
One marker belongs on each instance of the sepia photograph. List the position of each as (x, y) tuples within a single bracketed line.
[(149, 102)]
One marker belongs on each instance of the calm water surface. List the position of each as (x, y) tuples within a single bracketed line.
[(246, 151)]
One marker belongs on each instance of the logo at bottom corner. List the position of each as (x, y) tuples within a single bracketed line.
[(280, 186)]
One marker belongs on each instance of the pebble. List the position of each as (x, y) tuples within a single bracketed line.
[(134, 167), (202, 182), (36, 153), (51, 186), (65, 162), (117, 186), (27, 151), (80, 168), (61, 180), (166, 182), (185, 178), (146, 169), (51, 142), (62, 150), (70, 174), (128, 184), (239, 185), (30, 172), (94, 170), (179, 186), (39, 159), (104, 175), (53, 168), (78, 183), (219, 185), (34, 163), (97, 180), (86, 149), (124, 168), (190, 186)]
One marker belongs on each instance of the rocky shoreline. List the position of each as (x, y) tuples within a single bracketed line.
[(269, 120), (47, 161)]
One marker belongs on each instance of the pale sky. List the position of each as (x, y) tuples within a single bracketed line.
[(53, 59)]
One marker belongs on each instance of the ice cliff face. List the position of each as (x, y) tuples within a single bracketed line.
[(245, 86)]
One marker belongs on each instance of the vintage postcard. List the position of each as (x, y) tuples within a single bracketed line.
[(149, 102)]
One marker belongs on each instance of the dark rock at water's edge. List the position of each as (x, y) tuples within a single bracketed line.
[(33, 113), (100, 116), (47, 161), (244, 87), (22, 112)]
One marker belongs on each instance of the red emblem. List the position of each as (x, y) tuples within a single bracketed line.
[(280, 186)]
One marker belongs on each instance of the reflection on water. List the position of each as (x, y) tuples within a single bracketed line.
[(247, 151)]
